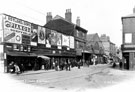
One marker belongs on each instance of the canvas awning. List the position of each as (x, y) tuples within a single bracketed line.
[(17, 53), (44, 57)]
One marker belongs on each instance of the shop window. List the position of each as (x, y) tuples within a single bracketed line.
[(128, 37)]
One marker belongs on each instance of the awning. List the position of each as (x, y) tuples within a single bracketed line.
[(17, 53), (44, 57), (61, 25)]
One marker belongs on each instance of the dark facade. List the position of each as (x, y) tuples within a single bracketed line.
[(128, 41)]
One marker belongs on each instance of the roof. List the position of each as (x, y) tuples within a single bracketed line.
[(93, 37), (129, 16), (59, 24), (94, 40)]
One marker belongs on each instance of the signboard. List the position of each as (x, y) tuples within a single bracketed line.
[(14, 28), (34, 35), (48, 38), (41, 35), (1, 30), (72, 42), (65, 40), (53, 37), (59, 40)]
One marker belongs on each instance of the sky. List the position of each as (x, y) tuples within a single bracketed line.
[(97, 16)]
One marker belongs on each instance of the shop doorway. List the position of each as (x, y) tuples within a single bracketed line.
[(126, 62)]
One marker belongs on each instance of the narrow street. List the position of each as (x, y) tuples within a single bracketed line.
[(98, 76)]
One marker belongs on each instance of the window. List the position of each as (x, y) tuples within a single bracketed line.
[(128, 37), (77, 33)]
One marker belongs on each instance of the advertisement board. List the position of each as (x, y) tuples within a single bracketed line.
[(65, 40), (48, 38), (72, 42), (14, 28), (53, 37), (34, 35), (41, 35), (59, 39), (1, 29)]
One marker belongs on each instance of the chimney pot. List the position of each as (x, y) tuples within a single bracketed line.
[(48, 17), (68, 15)]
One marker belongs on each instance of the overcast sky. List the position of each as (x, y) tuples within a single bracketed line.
[(97, 16)]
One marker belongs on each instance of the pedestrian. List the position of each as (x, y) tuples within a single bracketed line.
[(22, 68), (79, 63), (11, 67), (69, 65), (120, 64), (17, 69)]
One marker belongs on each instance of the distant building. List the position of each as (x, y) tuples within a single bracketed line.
[(95, 46), (128, 40), (109, 47)]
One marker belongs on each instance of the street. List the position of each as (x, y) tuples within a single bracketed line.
[(98, 76)]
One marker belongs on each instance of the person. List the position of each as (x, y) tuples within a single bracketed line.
[(11, 68), (79, 63), (120, 64), (69, 65), (17, 69), (22, 68)]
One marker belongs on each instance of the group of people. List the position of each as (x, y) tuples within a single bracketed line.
[(15, 68), (39, 63), (66, 65)]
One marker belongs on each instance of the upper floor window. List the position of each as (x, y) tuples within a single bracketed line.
[(77, 33), (128, 37)]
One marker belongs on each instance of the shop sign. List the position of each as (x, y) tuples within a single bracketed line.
[(14, 28), (41, 35), (34, 35)]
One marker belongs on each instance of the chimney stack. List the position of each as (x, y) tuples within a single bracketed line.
[(68, 15), (48, 17), (134, 10), (78, 21)]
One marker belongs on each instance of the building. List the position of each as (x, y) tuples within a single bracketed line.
[(95, 47), (128, 40), (109, 47), (65, 26), (23, 42)]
